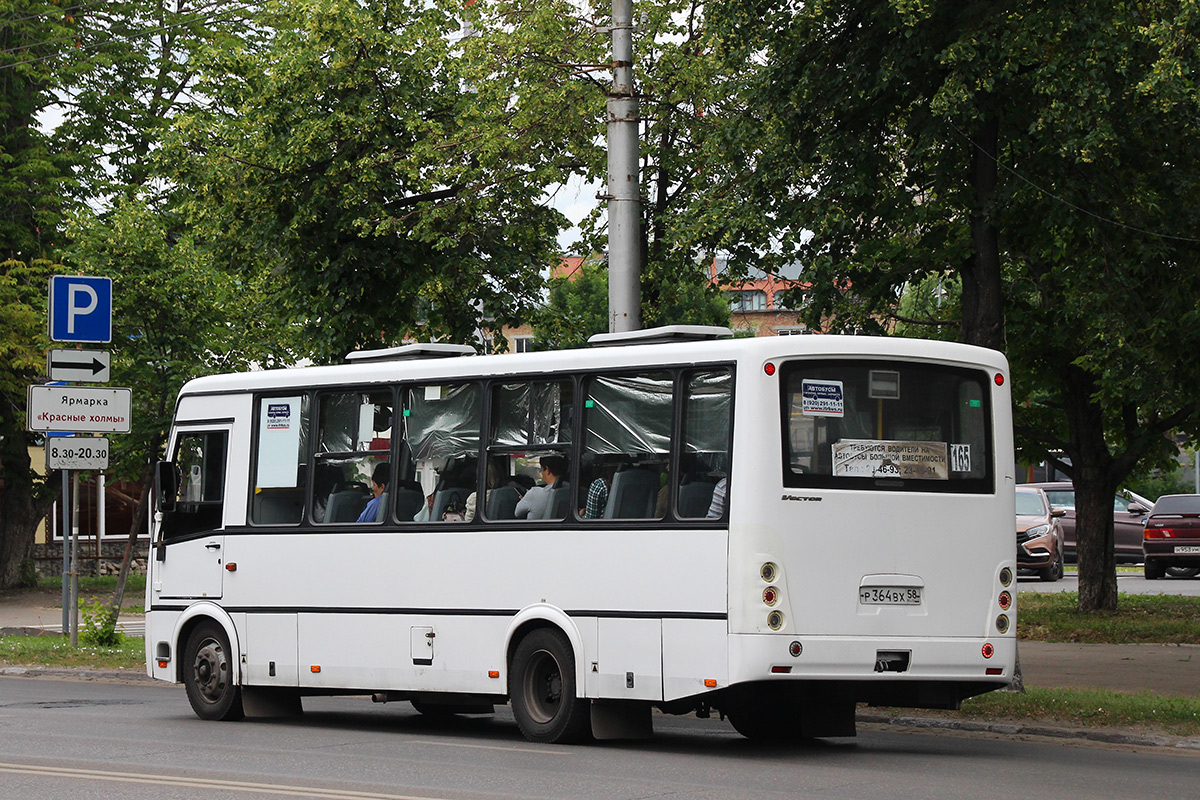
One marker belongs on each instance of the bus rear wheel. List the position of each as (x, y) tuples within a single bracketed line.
[(543, 690), (767, 722), (208, 674)]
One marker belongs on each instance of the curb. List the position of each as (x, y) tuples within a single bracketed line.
[(82, 673), (1104, 736)]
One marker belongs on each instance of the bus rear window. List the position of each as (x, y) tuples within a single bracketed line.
[(886, 425)]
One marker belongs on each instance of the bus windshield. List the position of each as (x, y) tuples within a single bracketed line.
[(886, 425)]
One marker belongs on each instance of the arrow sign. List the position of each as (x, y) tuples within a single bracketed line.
[(90, 366)]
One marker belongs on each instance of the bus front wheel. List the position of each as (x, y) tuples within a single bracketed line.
[(543, 691), (208, 674)]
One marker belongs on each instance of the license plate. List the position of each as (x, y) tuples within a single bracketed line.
[(1187, 548), (890, 595)]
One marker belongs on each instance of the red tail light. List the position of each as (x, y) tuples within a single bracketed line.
[(1158, 533)]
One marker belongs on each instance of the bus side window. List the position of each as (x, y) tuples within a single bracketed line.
[(280, 451), (529, 421), (627, 422), (704, 454), (440, 449), (200, 501), (354, 440)]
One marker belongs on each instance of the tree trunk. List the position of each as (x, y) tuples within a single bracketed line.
[(135, 527), (982, 289), (22, 508), (1093, 472)]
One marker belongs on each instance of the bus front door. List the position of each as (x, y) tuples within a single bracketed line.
[(188, 557)]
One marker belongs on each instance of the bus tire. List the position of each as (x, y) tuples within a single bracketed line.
[(208, 674), (543, 690), (767, 721)]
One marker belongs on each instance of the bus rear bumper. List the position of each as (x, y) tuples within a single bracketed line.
[(875, 661)]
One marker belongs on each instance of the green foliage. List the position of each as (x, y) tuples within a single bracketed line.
[(133, 69), (32, 174), (98, 626), (1153, 484), (176, 316), (578, 306), (355, 154), (930, 308)]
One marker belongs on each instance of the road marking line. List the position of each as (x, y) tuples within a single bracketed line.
[(204, 783), (510, 749)]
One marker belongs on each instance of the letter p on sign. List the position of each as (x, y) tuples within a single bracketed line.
[(80, 309)]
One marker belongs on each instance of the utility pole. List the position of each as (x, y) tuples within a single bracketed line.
[(624, 183)]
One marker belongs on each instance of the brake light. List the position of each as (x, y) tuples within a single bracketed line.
[(1158, 533)]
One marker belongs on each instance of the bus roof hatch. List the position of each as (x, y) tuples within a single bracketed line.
[(667, 333), (411, 352)]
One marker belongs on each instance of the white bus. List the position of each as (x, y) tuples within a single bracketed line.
[(774, 528)]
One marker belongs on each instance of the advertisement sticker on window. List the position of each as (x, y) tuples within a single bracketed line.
[(822, 399), (866, 458)]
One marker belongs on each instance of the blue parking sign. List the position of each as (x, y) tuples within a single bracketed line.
[(80, 309)]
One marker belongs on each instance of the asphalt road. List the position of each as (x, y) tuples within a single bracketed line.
[(1130, 582), (82, 740)]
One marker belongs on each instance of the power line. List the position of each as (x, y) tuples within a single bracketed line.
[(1068, 203), (55, 12)]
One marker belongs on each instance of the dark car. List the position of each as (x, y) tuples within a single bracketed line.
[(1129, 511), (1171, 540), (1039, 537)]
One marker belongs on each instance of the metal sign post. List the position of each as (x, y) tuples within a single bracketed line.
[(80, 310)]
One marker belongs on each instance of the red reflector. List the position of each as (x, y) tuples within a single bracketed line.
[(1005, 600), (988, 650), (999, 379), (994, 671), (781, 670), (769, 368), (231, 566), (162, 664)]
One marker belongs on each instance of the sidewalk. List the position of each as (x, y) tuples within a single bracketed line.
[(35, 613)]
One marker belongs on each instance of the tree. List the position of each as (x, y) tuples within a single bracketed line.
[(32, 177), (133, 70), (1040, 152), (176, 317), (351, 154), (578, 306)]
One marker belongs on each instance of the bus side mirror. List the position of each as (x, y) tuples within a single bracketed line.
[(166, 485)]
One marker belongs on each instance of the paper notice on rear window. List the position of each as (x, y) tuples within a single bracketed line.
[(822, 399), (868, 458)]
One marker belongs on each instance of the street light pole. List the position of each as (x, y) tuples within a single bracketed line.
[(624, 185)]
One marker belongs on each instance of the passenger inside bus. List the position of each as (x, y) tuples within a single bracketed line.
[(550, 500), (377, 505)]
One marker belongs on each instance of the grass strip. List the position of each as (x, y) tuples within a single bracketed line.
[(1139, 619), (54, 650), (1091, 708), (135, 584)]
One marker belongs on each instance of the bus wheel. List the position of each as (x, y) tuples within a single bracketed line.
[(543, 691), (208, 676), (767, 722)]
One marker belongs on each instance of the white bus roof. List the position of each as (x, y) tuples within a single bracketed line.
[(757, 349)]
